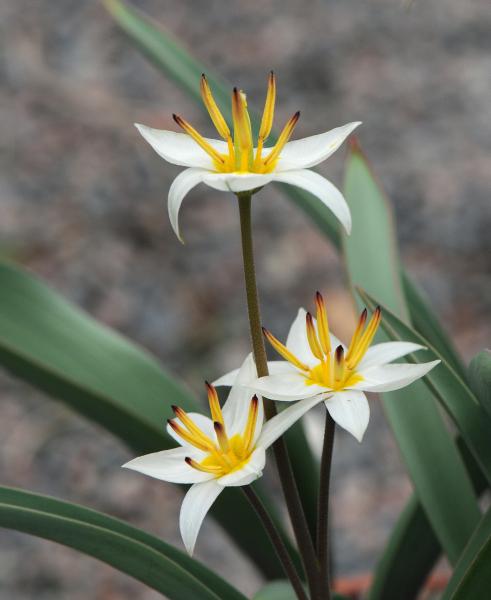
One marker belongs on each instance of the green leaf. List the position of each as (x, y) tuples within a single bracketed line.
[(442, 485), (480, 378), (59, 349), (471, 579), (452, 392), (406, 562), (281, 590), (130, 550)]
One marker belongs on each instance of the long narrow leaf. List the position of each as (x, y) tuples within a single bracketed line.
[(130, 550), (439, 476), (56, 347), (480, 378)]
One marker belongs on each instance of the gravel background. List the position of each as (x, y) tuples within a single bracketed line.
[(82, 201)]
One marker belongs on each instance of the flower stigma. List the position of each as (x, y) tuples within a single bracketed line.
[(224, 454), (241, 157), (336, 367)]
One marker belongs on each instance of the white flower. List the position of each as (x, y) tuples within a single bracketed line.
[(227, 450), (235, 165), (319, 366)]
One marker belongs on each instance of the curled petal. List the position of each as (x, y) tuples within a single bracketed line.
[(197, 502), (350, 410), (252, 470), (168, 465), (310, 151), (381, 354), (323, 189), (180, 187), (393, 377), (179, 148)]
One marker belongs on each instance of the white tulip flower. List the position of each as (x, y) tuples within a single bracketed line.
[(227, 450), (233, 164), (318, 365)]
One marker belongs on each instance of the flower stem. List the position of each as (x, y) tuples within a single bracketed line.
[(289, 485), (277, 542), (323, 507)]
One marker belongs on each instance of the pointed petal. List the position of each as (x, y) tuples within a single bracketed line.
[(310, 151), (236, 408), (285, 387), (168, 465), (323, 189), (180, 187), (179, 148), (393, 377), (237, 182), (350, 410), (197, 502), (252, 470), (276, 427), (297, 341), (274, 366), (381, 354), (203, 422)]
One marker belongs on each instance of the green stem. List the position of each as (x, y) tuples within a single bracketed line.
[(290, 489), (277, 542), (323, 507)]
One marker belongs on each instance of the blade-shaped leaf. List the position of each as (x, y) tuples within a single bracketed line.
[(452, 392), (442, 485), (130, 550), (471, 579), (282, 590), (59, 349), (480, 378)]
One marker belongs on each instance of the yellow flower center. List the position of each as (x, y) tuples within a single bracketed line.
[(241, 156), (336, 369), (225, 454)]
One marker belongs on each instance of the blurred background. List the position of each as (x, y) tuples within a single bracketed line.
[(83, 205)]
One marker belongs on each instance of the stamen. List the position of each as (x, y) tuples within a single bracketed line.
[(213, 110), (199, 139), (188, 437), (357, 334), (221, 437), (284, 352), (366, 338), (282, 140), (215, 409), (322, 323), (339, 364), (242, 130), (251, 423), (312, 338), (191, 426), (215, 470), (268, 113)]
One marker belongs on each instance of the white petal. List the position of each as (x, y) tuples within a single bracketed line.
[(237, 182), (274, 367), (236, 408), (392, 377), (180, 187), (197, 502), (350, 410), (169, 465), (252, 470), (204, 423), (275, 427), (286, 387), (180, 148), (310, 151), (297, 341), (323, 189), (380, 354)]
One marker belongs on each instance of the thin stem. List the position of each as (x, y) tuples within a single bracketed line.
[(277, 542), (289, 485), (323, 507)]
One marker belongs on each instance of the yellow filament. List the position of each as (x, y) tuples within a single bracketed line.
[(221, 437), (214, 469), (282, 140), (215, 409), (322, 324), (312, 338), (268, 113), (242, 130), (193, 429), (366, 339), (200, 140), (191, 439), (213, 110), (357, 334), (284, 352), (251, 423), (339, 364)]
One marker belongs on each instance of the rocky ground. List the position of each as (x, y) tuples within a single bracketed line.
[(82, 201)]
